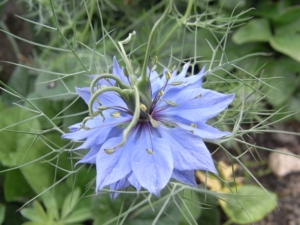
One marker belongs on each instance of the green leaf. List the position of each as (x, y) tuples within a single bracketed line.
[(256, 30), (2, 213), (12, 192), (284, 79), (13, 129), (40, 211), (103, 209), (39, 175), (21, 81), (287, 33), (250, 204), (31, 214), (79, 215), (51, 205), (210, 214), (48, 107), (70, 203), (189, 206)]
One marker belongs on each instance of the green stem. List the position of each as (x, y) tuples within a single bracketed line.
[(135, 118), (107, 75), (183, 20), (168, 9), (125, 58), (99, 92)]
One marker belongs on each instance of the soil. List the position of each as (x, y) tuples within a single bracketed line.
[(19, 28)]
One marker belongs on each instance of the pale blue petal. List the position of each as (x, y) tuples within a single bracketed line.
[(118, 71), (186, 177), (90, 157), (123, 183), (134, 182), (153, 171), (188, 150), (112, 167)]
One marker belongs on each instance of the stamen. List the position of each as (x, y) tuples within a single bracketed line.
[(109, 151), (161, 93), (168, 75), (199, 96), (175, 83), (137, 70), (153, 122), (143, 107), (170, 103), (150, 152), (154, 60), (115, 114), (193, 125)]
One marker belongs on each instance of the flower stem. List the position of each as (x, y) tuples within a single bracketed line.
[(168, 9), (135, 118)]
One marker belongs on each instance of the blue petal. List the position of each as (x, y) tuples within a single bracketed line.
[(112, 167), (90, 157), (203, 130), (153, 171), (197, 109), (186, 177), (117, 70), (188, 150), (123, 183), (134, 182), (106, 98)]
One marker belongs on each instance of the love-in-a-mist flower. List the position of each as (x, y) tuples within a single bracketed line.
[(145, 132)]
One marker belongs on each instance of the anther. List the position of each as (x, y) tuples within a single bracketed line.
[(199, 96), (161, 93), (170, 103), (109, 151), (154, 60), (143, 107), (153, 68), (150, 152), (153, 122), (168, 75), (137, 70), (115, 114), (175, 83), (193, 125)]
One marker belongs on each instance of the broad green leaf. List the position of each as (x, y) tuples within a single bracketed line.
[(190, 207), (210, 213), (15, 124), (79, 215), (51, 205), (41, 175), (284, 80), (32, 215), (48, 107), (2, 213), (248, 205), (40, 211), (70, 203), (104, 209), (12, 191), (287, 33), (256, 30)]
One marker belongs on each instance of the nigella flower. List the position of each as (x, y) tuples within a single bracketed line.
[(145, 133)]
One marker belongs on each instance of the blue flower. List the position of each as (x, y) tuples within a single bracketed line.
[(165, 142)]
